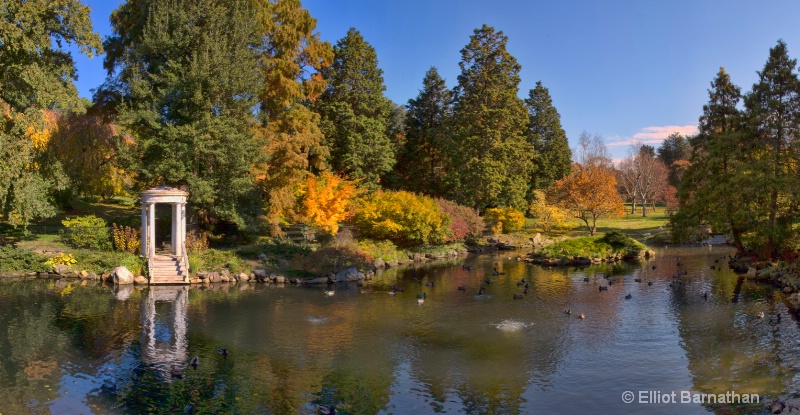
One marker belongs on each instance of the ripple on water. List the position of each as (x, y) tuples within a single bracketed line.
[(317, 319), (512, 325)]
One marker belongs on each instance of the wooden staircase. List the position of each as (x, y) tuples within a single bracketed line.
[(167, 270)]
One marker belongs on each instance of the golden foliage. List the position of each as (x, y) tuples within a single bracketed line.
[(549, 217), (402, 217), (508, 219), (324, 200), (61, 259), (588, 193), (126, 238)]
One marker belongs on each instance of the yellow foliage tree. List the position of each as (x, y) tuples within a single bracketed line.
[(323, 200), (548, 216), (402, 217), (588, 193), (508, 219)]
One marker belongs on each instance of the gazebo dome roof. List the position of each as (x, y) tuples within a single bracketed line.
[(164, 194)]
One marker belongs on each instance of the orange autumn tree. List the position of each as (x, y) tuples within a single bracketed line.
[(323, 200), (588, 194)]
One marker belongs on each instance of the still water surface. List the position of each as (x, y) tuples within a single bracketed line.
[(84, 349)]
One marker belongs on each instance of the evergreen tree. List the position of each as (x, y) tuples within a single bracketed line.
[(553, 158), (356, 117), (773, 111), (291, 58), (674, 152), (36, 74), (711, 189), (188, 77), (490, 158), (421, 161)]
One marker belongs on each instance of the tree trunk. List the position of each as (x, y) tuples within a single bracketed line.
[(633, 206), (644, 208)]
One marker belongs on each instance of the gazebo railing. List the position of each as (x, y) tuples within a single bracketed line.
[(185, 260)]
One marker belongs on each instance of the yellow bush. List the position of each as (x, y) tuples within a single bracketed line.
[(324, 200), (549, 217), (126, 238), (509, 218), (61, 259), (402, 217)]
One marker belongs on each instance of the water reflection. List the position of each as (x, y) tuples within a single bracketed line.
[(164, 324), (93, 350)]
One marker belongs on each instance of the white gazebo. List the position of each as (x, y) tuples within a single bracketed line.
[(176, 198)]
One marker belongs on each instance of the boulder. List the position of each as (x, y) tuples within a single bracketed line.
[(260, 274), (379, 263), (83, 275), (369, 275), (92, 276), (140, 280), (214, 277), (121, 276), (262, 256), (226, 276), (392, 263), (315, 281), (61, 269), (279, 279), (242, 277), (751, 272), (350, 274)]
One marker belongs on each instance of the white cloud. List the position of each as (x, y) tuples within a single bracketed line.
[(653, 135)]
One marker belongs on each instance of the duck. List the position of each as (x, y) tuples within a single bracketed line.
[(567, 311), (329, 292), (603, 288), (397, 289), (480, 291), (489, 280), (654, 267), (223, 352), (582, 316), (585, 279), (525, 291), (712, 267), (421, 298), (705, 296), (760, 314), (649, 282), (176, 372), (518, 296), (326, 410), (195, 362), (629, 296), (637, 280), (392, 292), (462, 288)]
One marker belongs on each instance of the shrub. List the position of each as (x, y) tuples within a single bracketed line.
[(401, 217), (61, 259), (218, 260), (126, 238), (509, 218), (324, 200), (343, 252), (549, 217), (100, 262), (86, 232), (465, 222), (385, 250), (196, 241), (21, 259), (623, 243)]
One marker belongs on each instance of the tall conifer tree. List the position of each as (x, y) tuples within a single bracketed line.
[(553, 158), (421, 163), (188, 77), (356, 117), (490, 158)]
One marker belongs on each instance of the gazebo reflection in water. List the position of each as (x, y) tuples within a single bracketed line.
[(164, 323)]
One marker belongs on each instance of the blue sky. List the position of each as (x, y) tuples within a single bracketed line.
[(627, 70)]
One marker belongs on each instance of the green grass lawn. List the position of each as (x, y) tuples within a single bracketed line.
[(631, 224)]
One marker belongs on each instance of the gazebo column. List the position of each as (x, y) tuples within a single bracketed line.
[(151, 230), (181, 227), (175, 228), (144, 230)]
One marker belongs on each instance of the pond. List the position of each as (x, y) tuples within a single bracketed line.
[(72, 349)]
